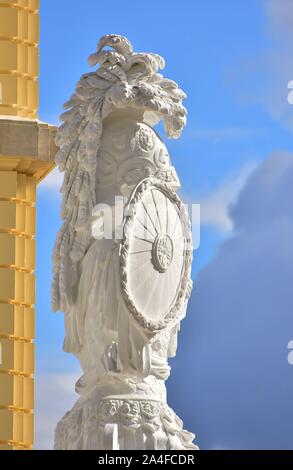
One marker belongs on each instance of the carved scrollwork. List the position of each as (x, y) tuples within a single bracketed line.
[(151, 421)]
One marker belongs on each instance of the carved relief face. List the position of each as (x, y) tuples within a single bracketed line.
[(108, 408), (150, 410)]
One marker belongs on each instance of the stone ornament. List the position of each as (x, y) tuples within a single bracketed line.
[(123, 424), (121, 276)]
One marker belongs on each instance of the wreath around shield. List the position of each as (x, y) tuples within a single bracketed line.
[(162, 252)]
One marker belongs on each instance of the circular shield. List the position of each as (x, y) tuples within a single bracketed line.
[(155, 256)]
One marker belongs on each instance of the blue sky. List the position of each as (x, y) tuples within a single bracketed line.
[(233, 59)]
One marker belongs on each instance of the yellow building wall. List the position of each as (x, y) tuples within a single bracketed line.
[(27, 153), (17, 315), (19, 57)]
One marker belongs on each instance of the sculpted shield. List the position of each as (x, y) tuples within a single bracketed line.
[(156, 256)]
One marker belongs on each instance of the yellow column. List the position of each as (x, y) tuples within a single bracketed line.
[(17, 298), (26, 156), (19, 37)]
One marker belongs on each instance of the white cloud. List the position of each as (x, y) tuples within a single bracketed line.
[(53, 181), (214, 206), (240, 321), (55, 396)]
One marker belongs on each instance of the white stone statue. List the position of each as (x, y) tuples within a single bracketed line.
[(122, 277)]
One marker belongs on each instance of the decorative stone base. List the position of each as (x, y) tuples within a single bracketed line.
[(122, 424)]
